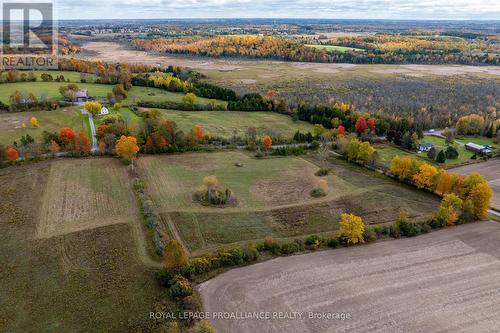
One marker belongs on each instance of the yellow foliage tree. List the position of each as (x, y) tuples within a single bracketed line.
[(93, 107), (480, 196), (404, 167), (127, 148), (34, 122), (352, 228), (189, 99), (175, 258), (426, 176), (450, 209)]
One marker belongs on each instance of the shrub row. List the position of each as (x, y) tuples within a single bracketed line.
[(148, 214)]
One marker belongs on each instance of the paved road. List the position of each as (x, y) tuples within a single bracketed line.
[(446, 281)]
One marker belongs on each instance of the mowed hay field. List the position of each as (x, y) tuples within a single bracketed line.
[(51, 121), (273, 197), (85, 281), (445, 282), (85, 195), (148, 94), (230, 123)]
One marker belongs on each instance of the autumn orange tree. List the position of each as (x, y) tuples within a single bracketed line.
[(127, 149), (361, 125), (198, 133), (66, 136), (82, 143), (267, 141), (12, 154)]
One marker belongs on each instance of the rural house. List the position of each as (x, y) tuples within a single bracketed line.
[(81, 96), (425, 146)]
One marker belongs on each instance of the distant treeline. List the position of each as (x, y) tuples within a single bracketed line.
[(377, 49)]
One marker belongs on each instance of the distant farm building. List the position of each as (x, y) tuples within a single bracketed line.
[(479, 149), (81, 96), (425, 146)]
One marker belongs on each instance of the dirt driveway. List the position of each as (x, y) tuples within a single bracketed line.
[(491, 171), (447, 281)]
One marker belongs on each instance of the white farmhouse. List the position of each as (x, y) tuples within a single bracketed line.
[(104, 111)]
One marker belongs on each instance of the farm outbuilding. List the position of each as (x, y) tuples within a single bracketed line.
[(425, 146), (478, 149)]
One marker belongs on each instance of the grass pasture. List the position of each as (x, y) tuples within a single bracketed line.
[(273, 197), (81, 281), (156, 95), (52, 121), (229, 123), (49, 90)]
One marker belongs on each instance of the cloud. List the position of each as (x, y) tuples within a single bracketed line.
[(328, 9)]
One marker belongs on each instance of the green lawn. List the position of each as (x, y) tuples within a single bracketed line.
[(49, 90), (52, 121), (71, 76), (387, 153), (148, 94), (480, 140), (439, 143), (334, 48), (228, 123)]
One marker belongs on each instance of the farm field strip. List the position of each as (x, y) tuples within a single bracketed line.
[(229, 123), (92, 194), (440, 282)]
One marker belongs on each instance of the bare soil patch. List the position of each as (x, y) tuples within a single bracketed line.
[(441, 282)]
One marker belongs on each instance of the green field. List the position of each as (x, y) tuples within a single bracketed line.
[(273, 197), (49, 90), (52, 121), (334, 48), (229, 123), (156, 95), (71, 76)]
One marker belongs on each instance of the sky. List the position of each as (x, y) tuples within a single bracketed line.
[(325, 9)]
